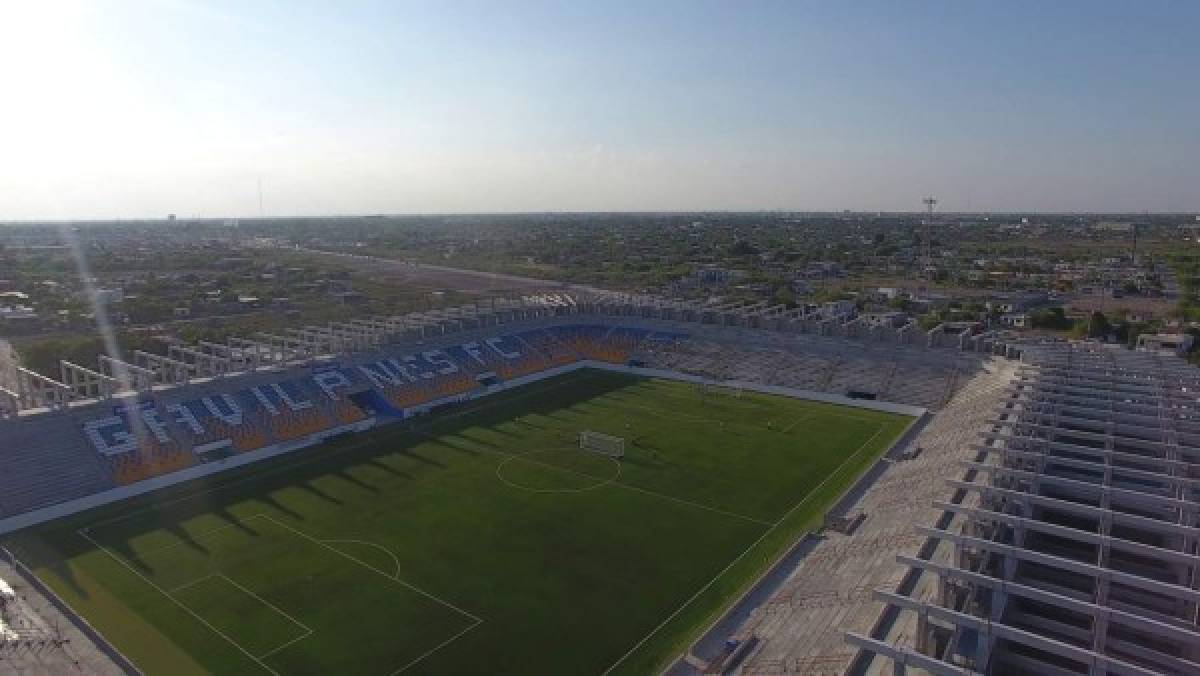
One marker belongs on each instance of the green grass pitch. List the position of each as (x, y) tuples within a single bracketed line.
[(476, 541)]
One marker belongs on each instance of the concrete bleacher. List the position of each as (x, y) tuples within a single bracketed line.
[(900, 374), (299, 402), (860, 375), (802, 627), (46, 460)]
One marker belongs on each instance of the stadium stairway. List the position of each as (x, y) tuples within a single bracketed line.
[(46, 460)]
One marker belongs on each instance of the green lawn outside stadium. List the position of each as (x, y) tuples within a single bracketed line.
[(475, 541)]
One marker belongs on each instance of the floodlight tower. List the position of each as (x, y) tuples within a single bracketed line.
[(927, 244)]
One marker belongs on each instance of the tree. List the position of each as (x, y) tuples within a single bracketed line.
[(1050, 318), (1099, 325), (784, 296), (742, 248)]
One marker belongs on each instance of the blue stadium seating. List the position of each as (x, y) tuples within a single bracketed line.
[(151, 437)]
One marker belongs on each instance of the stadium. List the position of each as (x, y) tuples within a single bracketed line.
[(598, 483)]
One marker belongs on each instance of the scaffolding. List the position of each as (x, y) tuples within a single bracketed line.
[(1076, 550)]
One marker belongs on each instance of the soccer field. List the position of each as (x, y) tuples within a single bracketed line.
[(482, 540)]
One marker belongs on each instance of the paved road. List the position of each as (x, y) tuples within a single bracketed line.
[(457, 279)]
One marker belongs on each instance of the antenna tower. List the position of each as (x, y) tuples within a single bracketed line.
[(926, 236)]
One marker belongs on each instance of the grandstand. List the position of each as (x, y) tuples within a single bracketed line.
[(189, 413), (1043, 522), (1065, 540), (995, 469)]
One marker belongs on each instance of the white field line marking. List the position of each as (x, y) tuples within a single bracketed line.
[(193, 583), (810, 411), (613, 483), (537, 388), (197, 536), (739, 557), (616, 403), (691, 503), (631, 487), (812, 407), (145, 556), (381, 548), (176, 601), (307, 630), (255, 476), (600, 482), (438, 647), (364, 564), (288, 644), (475, 620), (797, 421), (625, 406)]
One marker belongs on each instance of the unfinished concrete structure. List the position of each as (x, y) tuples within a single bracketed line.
[(1069, 544), (183, 364), (112, 376)]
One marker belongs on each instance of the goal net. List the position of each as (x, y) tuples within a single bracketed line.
[(606, 444)]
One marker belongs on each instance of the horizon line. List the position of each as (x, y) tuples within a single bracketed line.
[(418, 214)]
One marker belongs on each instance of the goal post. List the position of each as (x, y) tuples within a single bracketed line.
[(606, 444)]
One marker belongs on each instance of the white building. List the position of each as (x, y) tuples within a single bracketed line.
[(1165, 343)]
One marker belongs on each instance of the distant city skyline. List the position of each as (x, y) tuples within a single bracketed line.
[(148, 107)]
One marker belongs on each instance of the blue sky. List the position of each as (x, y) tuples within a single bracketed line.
[(140, 108)]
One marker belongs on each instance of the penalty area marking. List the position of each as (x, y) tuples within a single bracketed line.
[(307, 630), (82, 533), (475, 620), (381, 548), (393, 578), (196, 537)]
